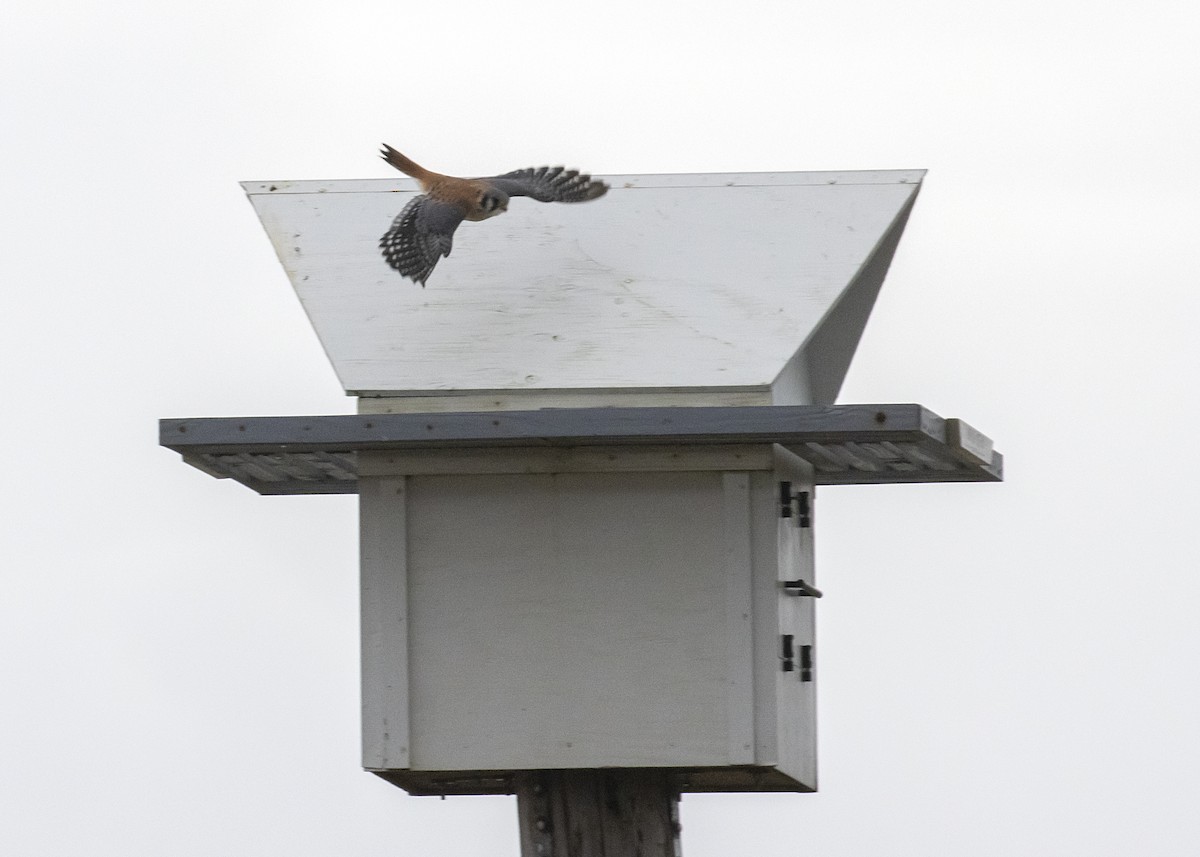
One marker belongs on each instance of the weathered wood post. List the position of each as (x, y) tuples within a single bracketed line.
[(598, 813), (587, 459)]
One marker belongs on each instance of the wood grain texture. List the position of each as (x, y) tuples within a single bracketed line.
[(598, 814)]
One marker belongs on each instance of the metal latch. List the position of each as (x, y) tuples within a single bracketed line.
[(801, 589)]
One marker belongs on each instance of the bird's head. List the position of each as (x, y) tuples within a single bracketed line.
[(493, 201)]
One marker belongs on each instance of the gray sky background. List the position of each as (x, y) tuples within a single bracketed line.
[(1005, 669)]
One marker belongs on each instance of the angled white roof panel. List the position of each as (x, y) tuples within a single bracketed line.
[(682, 283)]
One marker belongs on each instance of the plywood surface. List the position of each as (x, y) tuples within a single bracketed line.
[(573, 620), (667, 283)]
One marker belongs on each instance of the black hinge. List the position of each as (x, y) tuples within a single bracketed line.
[(804, 509), (785, 499), (788, 657), (796, 505)]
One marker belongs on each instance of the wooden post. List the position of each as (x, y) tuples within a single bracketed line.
[(606, 813)]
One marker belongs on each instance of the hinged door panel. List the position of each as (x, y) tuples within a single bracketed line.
[(787, 706), (578, 620)]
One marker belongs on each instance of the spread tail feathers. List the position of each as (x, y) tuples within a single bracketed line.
[(403, 164)]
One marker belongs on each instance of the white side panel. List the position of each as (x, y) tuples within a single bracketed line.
[(764, 493), (815, 374), (382, 516), (570, 620), (785, 704), (739, 613), (659, 286), (796, 712)]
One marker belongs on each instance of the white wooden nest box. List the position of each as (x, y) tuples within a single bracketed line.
[(561, 567)]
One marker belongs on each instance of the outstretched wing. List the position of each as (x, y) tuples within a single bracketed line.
[(550, 184), (420, 235)]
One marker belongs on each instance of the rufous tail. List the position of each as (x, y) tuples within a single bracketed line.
[(404, 165)]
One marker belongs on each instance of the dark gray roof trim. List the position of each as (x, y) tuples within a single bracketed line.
[(847, 444)]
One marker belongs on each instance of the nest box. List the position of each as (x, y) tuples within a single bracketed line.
[(587, 458)]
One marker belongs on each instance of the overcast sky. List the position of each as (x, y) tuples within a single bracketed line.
[(1006, 669)]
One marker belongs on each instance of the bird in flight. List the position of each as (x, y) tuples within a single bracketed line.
[(423, 232)]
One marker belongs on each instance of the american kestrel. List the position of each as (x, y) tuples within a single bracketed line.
[(423, 232)]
